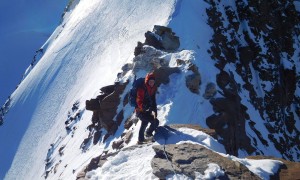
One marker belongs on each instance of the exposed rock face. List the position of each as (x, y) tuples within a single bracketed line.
[(104, 107), (162, 38), (162, 74), (210, 91), (229, 122), (193, 81), (260, 40), (125, 139), (4, 110), (149, 60), (188, 158)]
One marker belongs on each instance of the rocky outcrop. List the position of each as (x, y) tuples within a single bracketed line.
[(150, 60), (162, 38), (105, 106), (125, 139), (230, 116), (193, 81), (258, 40), (190, 158), (4, 110), (210, 91), (94, 164)]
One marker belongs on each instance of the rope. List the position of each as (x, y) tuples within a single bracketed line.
[(168, 158)]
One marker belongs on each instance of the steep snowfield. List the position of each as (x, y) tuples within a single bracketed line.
[(25, 26), (87, 52), (84, 54)]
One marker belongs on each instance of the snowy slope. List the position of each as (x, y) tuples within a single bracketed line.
[(25, 26), (92, 44), (84, 54)]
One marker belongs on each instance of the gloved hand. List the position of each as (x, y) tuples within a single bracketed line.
[(138, 110), (154, 114)]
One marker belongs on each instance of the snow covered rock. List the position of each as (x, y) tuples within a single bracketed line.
[(162, 38), (287, 170), (189, 158)]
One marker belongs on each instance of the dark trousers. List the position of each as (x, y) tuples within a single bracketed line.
[(146, 118)]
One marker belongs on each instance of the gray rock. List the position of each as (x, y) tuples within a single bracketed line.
[(161, 38), (210, 91), (193, 82), (188, 158)]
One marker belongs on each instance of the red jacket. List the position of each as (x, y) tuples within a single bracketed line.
[(146, 100)]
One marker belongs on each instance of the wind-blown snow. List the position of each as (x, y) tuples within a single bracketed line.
[(134, 164), (263, 168)]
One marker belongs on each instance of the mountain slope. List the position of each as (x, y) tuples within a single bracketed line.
[(25, 26), (94, 48), (94, 36)]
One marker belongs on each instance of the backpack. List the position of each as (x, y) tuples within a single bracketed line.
[(137, 83)]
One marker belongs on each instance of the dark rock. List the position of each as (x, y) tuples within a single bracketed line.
[(192, 67), (188, 158), (118, 144), (162, 38), (108, 106), (246, 55), (97, 137), (129, 122), (162, 74), (108, 89), (210, 91), (1, 120), (94, 164), (261, 50), (126, 100), (106, 136), (193, 83), (61, 150), (180, 62), (161, 30), (153, 40), (168, 39), (92, 105), (170, 42), (120, 117), (128, 137), (138, 49), (86, 143)]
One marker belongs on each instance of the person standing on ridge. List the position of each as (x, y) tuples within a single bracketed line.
[(146, 109)]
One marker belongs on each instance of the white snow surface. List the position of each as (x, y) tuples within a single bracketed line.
[(84, 54), (263, 168)]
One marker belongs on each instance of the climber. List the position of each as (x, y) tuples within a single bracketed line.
[(146, 109)]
